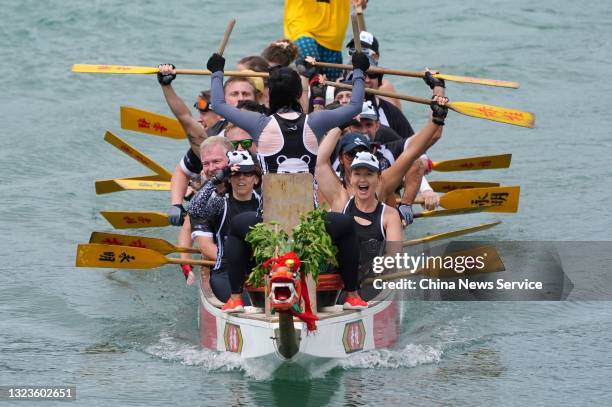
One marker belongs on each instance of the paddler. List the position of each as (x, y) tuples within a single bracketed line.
[(367, 185), (211, 215), (287, 141)]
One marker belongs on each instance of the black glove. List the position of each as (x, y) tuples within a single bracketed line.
[(360, 61), (165, 80), (215, 63), (176, 215), (305, 69), (221, 176), (439, 113), (433, 82), (406, 211)]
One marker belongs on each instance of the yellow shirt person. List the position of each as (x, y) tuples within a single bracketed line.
[(318, 27)]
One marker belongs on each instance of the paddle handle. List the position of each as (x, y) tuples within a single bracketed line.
[(360, 18), (394, 95), (356, 33), (373, 69), (242, 74), (191, 262), (226, 35), (178, 249)]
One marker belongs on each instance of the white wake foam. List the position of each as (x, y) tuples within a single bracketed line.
[(410, 356), (173, 349)]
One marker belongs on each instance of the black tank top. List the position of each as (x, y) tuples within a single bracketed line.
[(294, 156), (375, 230)]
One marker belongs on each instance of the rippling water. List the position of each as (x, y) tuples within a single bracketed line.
[(130, 337)]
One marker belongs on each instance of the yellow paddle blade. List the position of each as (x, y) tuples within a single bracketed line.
[(494, 113), (447, 186), (150, 123), (450, 212), (452, 233), (477, 81), (153, 243), (124, 257), (137, 155), (113, 69), (485, 162), (504, 199), (134, 220), (106, 186), (141, 185)]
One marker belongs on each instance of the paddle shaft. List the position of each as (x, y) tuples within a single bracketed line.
[(226, 35), (356, 33), (373, 69), (360, 18), (241, 74), (394, 95)]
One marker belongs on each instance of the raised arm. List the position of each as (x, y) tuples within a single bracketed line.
[(252, 122), (328, 181), (320, 122), (419, 144), (195, 132)]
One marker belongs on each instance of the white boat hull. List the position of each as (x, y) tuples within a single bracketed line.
[(339, 334)]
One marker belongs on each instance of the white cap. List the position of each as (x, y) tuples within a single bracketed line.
[(368, 111), (364, 159)]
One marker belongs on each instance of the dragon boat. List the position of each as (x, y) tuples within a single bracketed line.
[(268, 334)]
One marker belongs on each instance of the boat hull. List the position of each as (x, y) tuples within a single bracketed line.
[(339, 334)]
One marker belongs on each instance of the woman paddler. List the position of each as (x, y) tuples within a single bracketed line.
[(287, 142), (368, 187)]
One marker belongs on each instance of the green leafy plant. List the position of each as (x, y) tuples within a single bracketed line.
[(311, 243)]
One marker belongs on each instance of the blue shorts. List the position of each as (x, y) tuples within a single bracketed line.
[(309, 47)]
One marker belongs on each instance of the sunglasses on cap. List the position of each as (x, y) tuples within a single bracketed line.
[(202, 104), (246, 144), (352, 153), (367, 51)]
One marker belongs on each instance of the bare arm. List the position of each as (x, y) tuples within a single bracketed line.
[(328, 182), (207, 246), (178, 185), (421, 141)]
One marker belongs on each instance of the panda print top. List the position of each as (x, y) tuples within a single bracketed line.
[(287, 141)]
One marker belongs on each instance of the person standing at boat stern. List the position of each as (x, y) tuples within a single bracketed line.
[(287, 142), (317, 28)]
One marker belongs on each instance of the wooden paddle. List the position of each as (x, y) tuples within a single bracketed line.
[(452, 233), (478, 110), (450, 212), (360, 18), (159, 245), (125, 257), (150, 123), (106, 186), (356, 32), (447, 186), (421, 74), (135, 220), (503, 199), (492, 264), (485, 162), (146, 70), (226, 35), (164, 174), (143, 185)]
